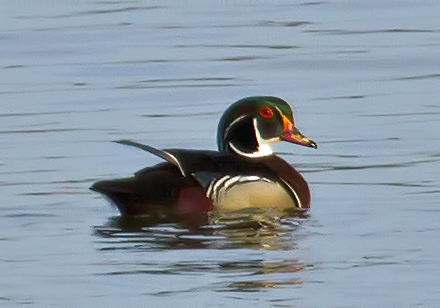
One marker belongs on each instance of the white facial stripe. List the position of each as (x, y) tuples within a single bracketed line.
[(233, 123), (264, 145), (279, 110)]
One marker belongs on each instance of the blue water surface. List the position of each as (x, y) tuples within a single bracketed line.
[(363, 79)]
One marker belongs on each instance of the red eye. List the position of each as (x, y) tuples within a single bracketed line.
[(266, 112)]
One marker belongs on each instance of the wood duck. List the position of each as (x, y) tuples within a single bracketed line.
[(243, 173)]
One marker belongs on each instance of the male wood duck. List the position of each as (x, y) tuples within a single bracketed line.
[(243, 173)]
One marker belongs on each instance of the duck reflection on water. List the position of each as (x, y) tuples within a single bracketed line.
[(247, 230), (250, 228)]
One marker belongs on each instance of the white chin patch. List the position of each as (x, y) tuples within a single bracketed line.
[(263, 150)]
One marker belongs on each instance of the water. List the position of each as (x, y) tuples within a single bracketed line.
[(363, 79)]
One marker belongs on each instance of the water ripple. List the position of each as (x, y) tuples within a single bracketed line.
[(185, 83), (92, 12), (253, 229), (417, 77), (351, 32), (240, 46), (320, 167)]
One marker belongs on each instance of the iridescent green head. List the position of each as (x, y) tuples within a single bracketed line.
[(249, 126)]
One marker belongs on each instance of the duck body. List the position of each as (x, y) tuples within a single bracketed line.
[(209, 180), (244, 173)]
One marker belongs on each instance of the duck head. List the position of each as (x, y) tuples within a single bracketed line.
[(249, 127)]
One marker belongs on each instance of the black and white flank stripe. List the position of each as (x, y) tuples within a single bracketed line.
[(219, 187)]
